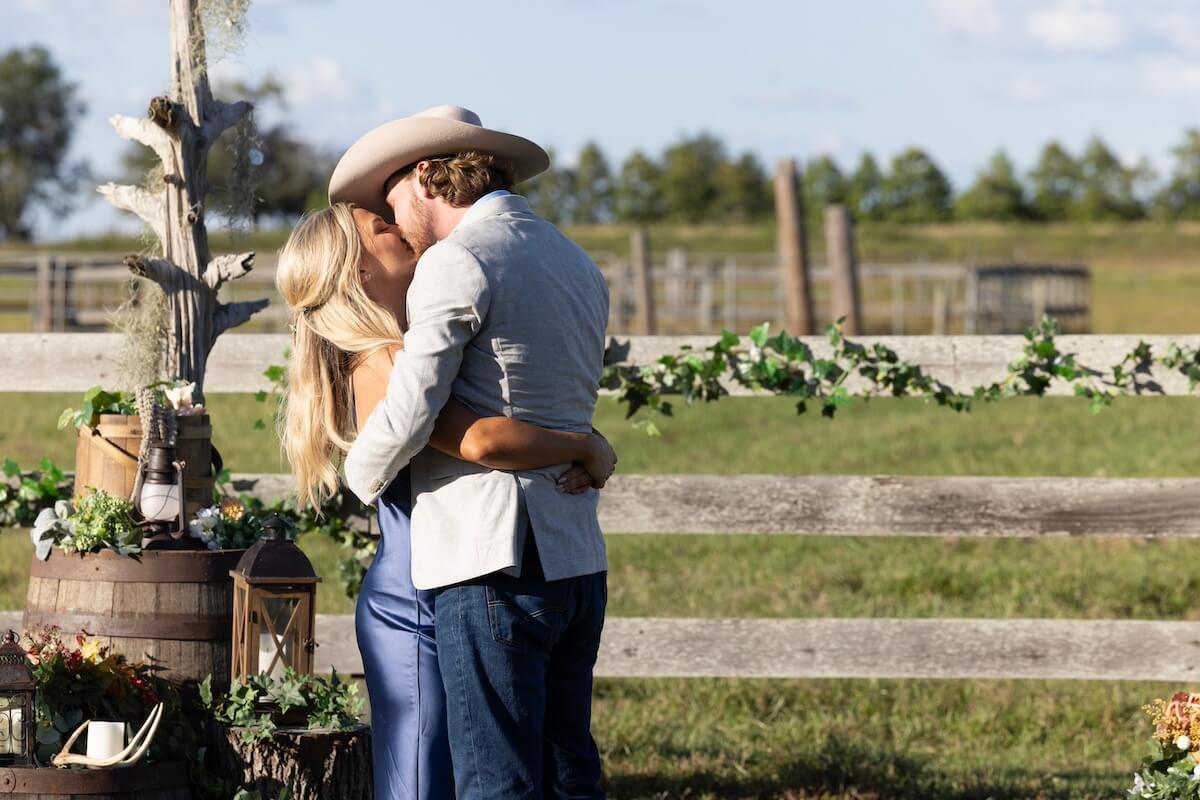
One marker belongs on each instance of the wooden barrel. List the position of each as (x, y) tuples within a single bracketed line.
[(171, 609), (106, 457), (167, 781)]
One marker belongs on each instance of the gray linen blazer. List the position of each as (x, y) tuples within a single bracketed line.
[(507, 315)]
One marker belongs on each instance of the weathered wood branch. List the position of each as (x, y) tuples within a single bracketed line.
[(148, 133), (137, 200), (156, 269), (227, 268), (222, 116), (230, 315)]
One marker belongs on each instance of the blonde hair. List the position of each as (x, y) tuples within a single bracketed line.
[(335, 326)]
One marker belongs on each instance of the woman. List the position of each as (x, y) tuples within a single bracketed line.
[(344, 274)]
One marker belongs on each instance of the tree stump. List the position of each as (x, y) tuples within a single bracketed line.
[(312, 765)]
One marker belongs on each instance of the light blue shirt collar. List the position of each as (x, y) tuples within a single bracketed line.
[(474, 212)]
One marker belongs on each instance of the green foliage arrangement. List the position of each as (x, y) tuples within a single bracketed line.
[(97, 401), (784, 365), (23, 494), (98, 521), (256, 706)]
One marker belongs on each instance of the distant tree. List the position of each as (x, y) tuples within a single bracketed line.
[(291, 178), (1180, 198), (38, 114), (1056, 184), (824, 184), (638, 197), (593, 188), (997, 194), (864, 192), (743, 191), (688, 182), (916, 190), (551, 194), (1108, 186)]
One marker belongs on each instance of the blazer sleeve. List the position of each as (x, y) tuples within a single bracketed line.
[(447, 303)]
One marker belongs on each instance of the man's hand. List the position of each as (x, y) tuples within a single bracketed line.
[(594, 471)]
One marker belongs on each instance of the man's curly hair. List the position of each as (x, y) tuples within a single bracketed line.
[(463, 178)]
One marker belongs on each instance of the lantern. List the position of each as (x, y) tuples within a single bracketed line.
[(16, 705), (158, 497), (274, 606)]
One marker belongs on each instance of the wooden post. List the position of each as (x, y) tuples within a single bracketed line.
[(793, 249), (59, 304), (843, 268), (704, 300), (971, 317), (941, 309), (730, 312), (897, 303), (1038, 298), (43, 322), (643, 281), (618, 277), (676, 274)]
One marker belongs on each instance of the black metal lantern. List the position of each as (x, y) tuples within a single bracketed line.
[(158, 496), (16, 704), (274, 606)]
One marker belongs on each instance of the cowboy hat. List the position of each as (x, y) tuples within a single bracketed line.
[(442, 130)]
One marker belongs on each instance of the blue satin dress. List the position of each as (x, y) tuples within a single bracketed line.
[(394, 625)]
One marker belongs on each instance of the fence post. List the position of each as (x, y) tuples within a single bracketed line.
[(941, 308), (1038, 297), (43, 310), (843, 267), (59, 313), (676, 273), (704, 301), (643, 281), (730, 312), (619, 276), (971, 316), (897, 303), (793, 249)]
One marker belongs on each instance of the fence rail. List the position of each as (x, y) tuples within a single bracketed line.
[(802, 505)]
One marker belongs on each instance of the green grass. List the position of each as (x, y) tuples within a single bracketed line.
[(839, 739)]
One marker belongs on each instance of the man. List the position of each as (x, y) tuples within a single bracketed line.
[(509, 316)]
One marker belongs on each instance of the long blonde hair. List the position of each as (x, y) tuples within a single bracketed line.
[(334, 327)]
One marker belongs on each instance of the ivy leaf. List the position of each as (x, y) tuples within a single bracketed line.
[(274, 373), (11, 470), (260, 396), (758, 334)]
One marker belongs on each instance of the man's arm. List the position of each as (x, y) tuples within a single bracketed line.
[(447, 303)]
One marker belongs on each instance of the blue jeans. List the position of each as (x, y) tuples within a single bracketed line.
[(516, 657)]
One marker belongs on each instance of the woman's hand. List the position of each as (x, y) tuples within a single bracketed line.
[(594, 471)]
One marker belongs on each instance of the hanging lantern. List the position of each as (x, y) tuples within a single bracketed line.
[(158, 497), (274, 606), (16, 704)]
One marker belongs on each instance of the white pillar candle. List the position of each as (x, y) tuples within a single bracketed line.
[(16, 728), (105, 739), (266, 653)]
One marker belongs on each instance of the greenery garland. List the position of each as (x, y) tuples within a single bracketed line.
[(784, 365)]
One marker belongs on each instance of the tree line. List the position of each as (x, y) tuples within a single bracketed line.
[(694, 180)]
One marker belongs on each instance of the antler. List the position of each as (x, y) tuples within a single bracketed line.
[(132, 753)]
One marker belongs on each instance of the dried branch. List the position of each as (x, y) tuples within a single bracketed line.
[(227, 268), (230, 315), (156, 269), (149, 207), (223, 116), (145, 131)]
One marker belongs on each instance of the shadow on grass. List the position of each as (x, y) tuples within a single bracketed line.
[(849, 771)]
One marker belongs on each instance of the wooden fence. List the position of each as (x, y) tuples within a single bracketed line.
[(811, 506), (687, 292)]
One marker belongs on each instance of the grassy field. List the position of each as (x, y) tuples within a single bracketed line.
[(840, 738)]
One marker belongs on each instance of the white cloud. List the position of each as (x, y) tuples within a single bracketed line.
[(1076, 26), (1028, 91), (1171, 76), (802, 97), (973, 19), (321, 80), (1178, 29)]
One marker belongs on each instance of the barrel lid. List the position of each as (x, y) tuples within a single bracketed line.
[(275, 557)]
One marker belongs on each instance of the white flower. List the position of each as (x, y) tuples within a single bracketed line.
[(1184, 742), (1196, 773), (755, 352), (181, 396)]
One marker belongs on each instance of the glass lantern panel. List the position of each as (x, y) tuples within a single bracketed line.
[(12, 738), (160, 501), (280, 611)]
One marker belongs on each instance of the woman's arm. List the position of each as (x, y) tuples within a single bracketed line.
[(496, 442)]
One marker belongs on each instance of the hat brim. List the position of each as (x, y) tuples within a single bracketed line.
[(361, 172)]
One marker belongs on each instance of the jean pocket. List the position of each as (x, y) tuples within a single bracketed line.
[(525, 621)]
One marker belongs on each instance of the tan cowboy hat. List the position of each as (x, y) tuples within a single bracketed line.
[(442, 130)]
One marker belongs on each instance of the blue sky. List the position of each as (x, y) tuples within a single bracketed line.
[(777, 77)]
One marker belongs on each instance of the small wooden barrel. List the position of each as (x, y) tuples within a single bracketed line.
[(171, 609), (167, 781), (106, 458)]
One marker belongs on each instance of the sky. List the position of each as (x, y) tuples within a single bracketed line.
[(779, 78)]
